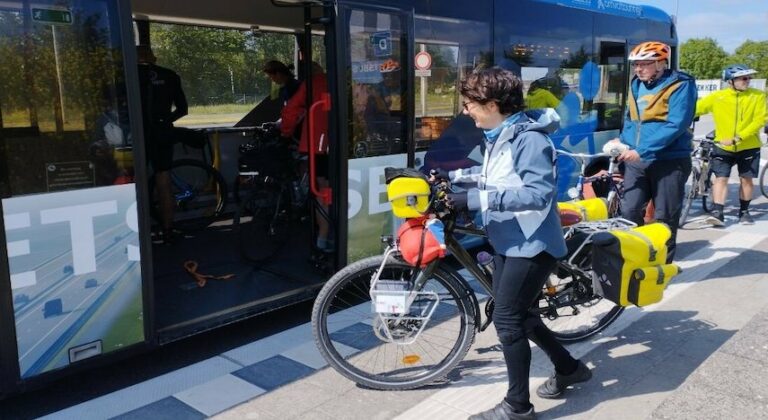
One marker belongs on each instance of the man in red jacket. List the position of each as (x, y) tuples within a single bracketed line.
[(292, 116)]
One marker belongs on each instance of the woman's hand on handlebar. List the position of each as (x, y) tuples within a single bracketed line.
[(438, 174), (457, 201)]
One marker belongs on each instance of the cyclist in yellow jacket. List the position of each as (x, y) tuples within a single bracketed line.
[(739, 113)]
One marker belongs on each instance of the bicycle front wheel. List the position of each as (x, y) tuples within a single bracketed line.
[(199, 194), (389, 351), (691, 191)]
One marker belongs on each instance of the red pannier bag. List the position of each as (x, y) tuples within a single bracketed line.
[(421, 241)]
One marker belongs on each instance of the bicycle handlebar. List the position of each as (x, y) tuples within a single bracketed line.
[(582, 156)]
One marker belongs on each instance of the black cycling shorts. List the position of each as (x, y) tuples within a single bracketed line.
[(159, 146), (747, 161)]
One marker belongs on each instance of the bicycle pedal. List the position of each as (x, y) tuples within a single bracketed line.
[(485, 324)]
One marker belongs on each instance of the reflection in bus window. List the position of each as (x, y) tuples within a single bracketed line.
[(14, 108), (456, 47), (377, 112), (60, 76)]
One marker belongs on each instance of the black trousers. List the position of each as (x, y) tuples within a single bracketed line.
[(517, 282), (664, 182)]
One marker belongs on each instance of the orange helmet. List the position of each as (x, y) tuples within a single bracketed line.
[(651, 50)]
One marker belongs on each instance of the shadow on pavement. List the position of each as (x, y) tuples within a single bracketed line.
[(654, 355)]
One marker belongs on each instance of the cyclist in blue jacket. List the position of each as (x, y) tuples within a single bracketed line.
[(660, 109)]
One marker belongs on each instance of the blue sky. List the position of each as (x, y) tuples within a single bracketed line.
[(729, 22)]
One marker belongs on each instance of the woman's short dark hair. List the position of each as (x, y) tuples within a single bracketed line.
[(277, 67), (497, 85)]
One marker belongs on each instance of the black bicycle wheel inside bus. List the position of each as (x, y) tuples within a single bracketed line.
[(199, 194), (386, 351)]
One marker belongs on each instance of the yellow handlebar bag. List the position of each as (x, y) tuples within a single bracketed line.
[(409, 197), (630, 265), (590, 209)]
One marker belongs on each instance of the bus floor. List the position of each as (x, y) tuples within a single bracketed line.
[(184, 292)]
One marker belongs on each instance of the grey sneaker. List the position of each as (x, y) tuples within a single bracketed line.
[(716, 219), (504, 411), (746, 219), (557, 383)]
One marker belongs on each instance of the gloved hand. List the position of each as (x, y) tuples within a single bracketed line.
[(438, 174), (457, 201), (615, 147)]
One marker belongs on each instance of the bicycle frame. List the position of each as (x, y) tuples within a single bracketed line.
[(584, 159)]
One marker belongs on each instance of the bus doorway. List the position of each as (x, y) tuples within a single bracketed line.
[(252, 224)]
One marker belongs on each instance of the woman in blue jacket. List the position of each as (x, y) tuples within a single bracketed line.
[(516, 195)]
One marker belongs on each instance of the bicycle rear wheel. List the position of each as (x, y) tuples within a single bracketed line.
[(199, 194), (763, 186), (568, 304), (263, 218), (691, 191), (706, 195), (384, 351)]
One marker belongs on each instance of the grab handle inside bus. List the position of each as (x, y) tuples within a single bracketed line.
[(321, 106)]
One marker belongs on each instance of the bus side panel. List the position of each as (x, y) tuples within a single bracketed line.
[(69, 212)]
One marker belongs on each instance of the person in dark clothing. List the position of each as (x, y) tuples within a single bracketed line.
[(162, 102), (516, 195), (282, 76)]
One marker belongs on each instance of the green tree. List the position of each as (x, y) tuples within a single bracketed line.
[(703, 58), (754, 54)]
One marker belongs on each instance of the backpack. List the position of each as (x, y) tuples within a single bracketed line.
[(421, 241)]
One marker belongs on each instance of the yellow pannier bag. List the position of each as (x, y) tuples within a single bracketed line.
[(590, 209), (630, 265), (409, 196)]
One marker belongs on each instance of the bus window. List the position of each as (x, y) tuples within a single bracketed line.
[(220, 69), (378, 107), (609, 101), (456, 47), (14, 108), (553, 48), (64, 112)]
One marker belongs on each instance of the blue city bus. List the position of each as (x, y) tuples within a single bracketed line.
[(82, 281)]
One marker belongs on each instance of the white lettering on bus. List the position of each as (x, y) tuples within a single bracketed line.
[(19, 248), (132, 220), (354, 199), (375, 189), (80, 220)]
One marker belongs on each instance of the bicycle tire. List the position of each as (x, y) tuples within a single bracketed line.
[(261, 220), (614, 206), (706, 195), (336, 330), (590, 314), (690, 195), (200, 201), (763, 186)]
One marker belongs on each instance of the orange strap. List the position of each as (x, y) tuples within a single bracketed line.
[(191, 267)]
